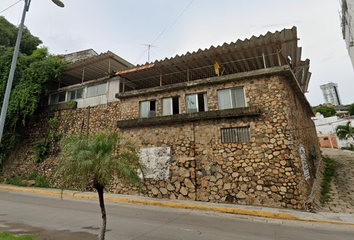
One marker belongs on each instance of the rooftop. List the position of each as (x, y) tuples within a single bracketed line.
[(266, 51)]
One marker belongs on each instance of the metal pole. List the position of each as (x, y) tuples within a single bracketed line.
[(12, 70)]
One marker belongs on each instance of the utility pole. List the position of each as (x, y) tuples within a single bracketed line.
[(13, 64)]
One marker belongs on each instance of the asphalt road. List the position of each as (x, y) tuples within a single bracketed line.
[(82, 217)]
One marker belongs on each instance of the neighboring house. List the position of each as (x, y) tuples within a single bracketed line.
[(347, 24), (326, 131), (88, 80), (226, 124)]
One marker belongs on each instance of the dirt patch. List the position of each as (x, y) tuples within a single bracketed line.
[(342, 194), (21, 229)]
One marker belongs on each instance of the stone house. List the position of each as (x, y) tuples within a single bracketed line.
[(226, 124)]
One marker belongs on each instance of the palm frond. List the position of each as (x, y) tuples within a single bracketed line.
[(97, 158)]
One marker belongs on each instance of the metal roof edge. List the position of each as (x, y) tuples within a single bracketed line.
[(205, 81)]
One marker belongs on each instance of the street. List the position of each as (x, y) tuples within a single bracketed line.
[(72, 218)]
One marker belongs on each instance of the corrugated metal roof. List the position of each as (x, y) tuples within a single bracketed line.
[(269, 50), (93, 68)]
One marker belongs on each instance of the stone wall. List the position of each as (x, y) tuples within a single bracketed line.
[(264, 171)]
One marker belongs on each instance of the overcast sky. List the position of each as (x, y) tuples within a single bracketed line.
[(175, 27)]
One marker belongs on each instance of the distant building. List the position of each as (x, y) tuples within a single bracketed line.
[(330, 93), (347, 24), (326, 131)]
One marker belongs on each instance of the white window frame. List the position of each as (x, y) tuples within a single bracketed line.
[(197, 103), (95, 89), (58, 94), (231, 103), (145, 106), (169, 101), (75, 94)]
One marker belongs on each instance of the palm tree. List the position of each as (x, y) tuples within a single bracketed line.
[(96, 160), (345, 131)]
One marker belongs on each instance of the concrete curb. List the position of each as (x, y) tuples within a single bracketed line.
[(249, 212)]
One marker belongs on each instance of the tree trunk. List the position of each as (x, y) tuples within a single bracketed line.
[(99, 189)]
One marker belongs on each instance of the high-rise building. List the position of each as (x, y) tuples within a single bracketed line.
[(347, 24), (330, 93)]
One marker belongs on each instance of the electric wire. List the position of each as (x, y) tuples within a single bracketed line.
[(10, 6), (166, 28)]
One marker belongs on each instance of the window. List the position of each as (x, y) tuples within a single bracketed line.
[(57, 98), (44, 101), (196, 103), (76, 94), (147, 109), (231, 98), (97, 90), (233, 135), (170, 106)]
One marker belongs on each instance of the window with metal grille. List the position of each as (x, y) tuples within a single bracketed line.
[(233, 135)]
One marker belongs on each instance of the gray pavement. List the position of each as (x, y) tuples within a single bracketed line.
[(76, 218), (267, 212), (342, 185)]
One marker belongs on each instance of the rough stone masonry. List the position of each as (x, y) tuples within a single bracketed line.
[(185, 153)]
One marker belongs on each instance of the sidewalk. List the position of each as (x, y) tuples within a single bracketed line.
[(342, 193), (275, 213)]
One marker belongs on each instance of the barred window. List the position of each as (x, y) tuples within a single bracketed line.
[(233, 135)]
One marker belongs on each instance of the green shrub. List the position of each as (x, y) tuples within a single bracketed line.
[(33, 175), (16, 181), (327, 178), (71, 104), (41, 181), (41, 150), (9, 236)]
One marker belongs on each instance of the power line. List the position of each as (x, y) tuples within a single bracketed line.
[(10, 6), (173, 22), (166, 28)]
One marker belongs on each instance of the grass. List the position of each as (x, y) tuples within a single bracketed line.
[(41, 181), (327, 178), (9, 236)]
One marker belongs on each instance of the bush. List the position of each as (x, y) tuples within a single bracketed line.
[(16, 181), (9, 236), (327, 178), (41, 181), (41, 150)]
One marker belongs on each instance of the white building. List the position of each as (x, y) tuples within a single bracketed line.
[(326, 131), (89, 80), (331, 94), (348, 26)]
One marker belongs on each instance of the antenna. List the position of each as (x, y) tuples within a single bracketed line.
[(148, 50)]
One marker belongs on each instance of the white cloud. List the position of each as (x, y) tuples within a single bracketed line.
[(123, 26)]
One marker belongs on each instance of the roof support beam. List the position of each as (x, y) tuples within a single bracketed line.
[(264, 61), (83, 75)]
